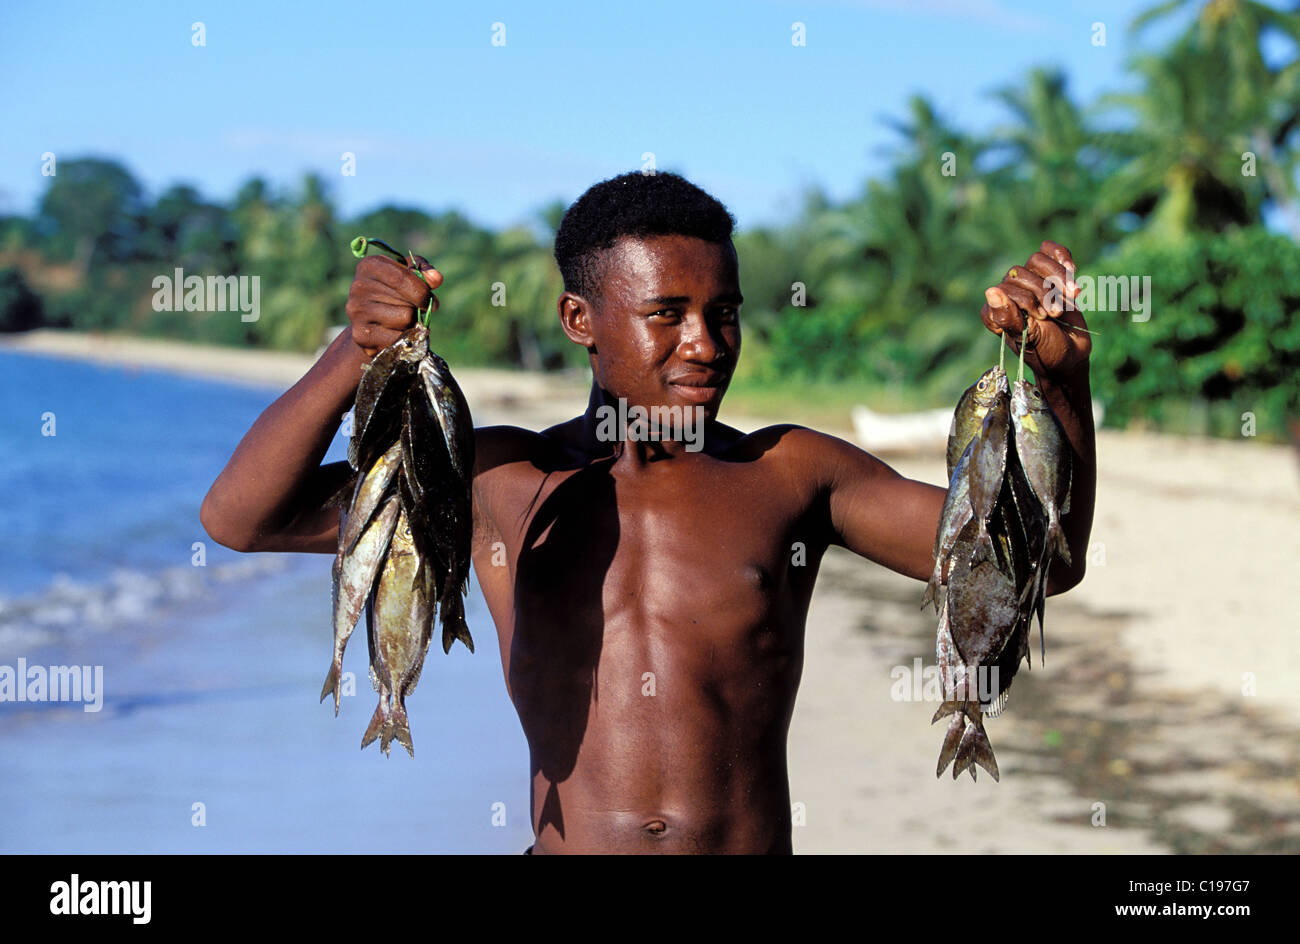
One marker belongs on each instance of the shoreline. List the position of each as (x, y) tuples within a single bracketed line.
[(262, 368), (496, 394)]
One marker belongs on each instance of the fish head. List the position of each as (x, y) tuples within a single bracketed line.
[(1028, 402), (414, 344), (990, 393), (1022, 395), (991, 385)]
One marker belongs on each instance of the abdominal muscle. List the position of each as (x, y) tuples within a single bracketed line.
[(688, 756)]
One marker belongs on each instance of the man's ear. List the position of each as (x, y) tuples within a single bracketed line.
[(575, 319)]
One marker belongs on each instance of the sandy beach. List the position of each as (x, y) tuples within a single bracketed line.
[(1161, 721)]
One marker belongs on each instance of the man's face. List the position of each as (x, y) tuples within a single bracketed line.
[(667, 323)]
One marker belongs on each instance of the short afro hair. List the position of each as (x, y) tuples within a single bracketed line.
[(633, 204)]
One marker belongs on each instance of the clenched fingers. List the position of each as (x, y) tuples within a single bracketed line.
[(382, 278)]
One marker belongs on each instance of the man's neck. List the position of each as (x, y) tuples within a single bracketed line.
[(605, 432)]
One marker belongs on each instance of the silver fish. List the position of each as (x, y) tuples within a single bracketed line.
[(1045, 455), (399, 620), (986, 470), (972, 407), (354, 575), (956, 514), (370, 493)]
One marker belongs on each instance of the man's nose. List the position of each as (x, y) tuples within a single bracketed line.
[(699, 341)]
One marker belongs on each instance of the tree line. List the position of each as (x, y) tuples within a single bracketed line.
[(1182, 193)]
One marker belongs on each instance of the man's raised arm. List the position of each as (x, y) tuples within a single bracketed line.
[(892, 520), (272, 494)]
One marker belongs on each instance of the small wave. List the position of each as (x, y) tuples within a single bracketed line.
[(69, 606)]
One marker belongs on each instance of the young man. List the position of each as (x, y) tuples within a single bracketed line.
[(668, 562)]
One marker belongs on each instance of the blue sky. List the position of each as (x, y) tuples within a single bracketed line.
[(439, 117)]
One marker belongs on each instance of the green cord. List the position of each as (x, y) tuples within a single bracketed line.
[(1024, 334), (362, 244)]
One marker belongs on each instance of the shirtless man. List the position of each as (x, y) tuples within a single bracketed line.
[(624, 556)]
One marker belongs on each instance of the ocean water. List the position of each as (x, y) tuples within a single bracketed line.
[(209, 736)]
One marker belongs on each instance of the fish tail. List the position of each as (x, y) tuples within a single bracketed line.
[(378, 722), (983, 546), (975, 749), (399, 729), (454, 627), (332, 685), (982, 752), (462, 633), (963, 759), (951, 738)]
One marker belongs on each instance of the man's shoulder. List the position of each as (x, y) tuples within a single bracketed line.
[(780, 439), (809, 460), (502, 445)]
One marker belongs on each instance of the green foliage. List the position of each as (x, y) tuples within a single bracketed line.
[(20, 307), (1221, 330), (90, 212)]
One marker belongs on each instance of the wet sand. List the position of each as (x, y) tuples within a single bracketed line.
[(1164, 703)]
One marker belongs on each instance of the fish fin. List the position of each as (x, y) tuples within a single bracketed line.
[(378, 722), (947, 708), (1056, 539), (951, 738), (1040, 607), (932, 590), (995, 707), (399, 729), (1042, 642), (332, 680)]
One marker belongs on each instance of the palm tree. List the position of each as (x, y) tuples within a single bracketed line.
[(1182, 150), (1046, 185), (1262, 98)]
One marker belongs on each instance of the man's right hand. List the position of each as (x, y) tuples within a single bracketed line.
[(384, 298)]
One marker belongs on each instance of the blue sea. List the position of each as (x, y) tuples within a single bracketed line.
[(209, 736)]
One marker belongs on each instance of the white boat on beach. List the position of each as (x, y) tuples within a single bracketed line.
[(926, 431)]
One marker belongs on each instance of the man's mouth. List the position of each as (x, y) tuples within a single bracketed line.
[(699, 388)]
